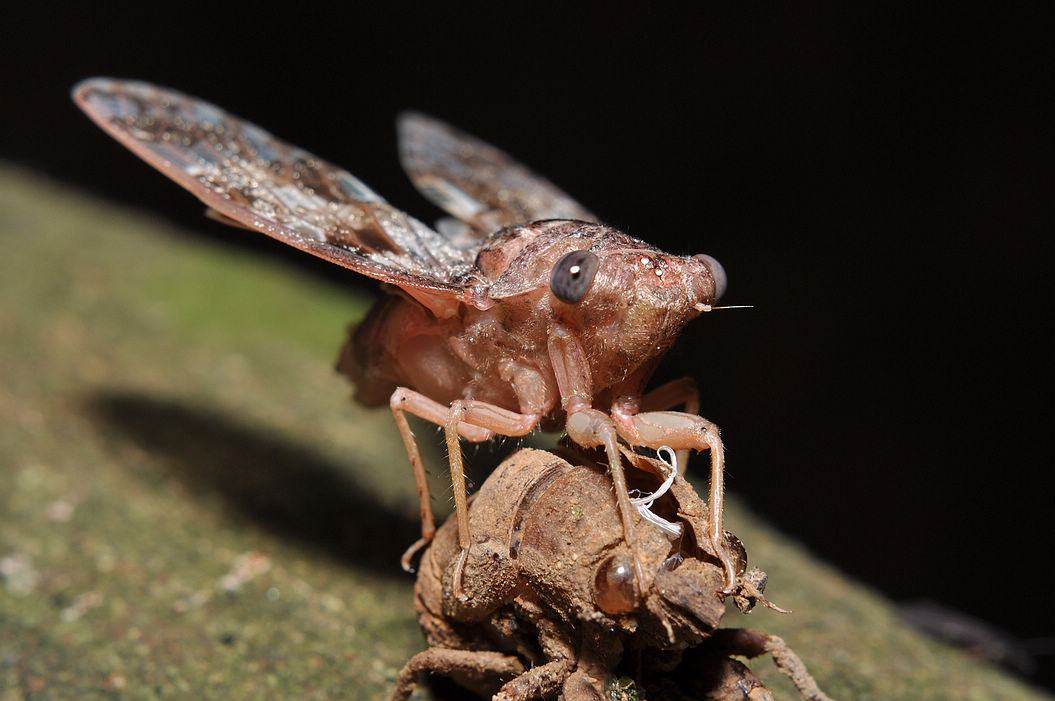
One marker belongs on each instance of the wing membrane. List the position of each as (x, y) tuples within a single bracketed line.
[(474, 181), (246, 175)]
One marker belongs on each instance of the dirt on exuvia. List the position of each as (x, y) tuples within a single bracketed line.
[(550, 605)]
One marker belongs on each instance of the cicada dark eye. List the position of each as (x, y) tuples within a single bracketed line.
[(613, 585), (572, 276)]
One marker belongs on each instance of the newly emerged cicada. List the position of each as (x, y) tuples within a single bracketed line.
[(520, 311)]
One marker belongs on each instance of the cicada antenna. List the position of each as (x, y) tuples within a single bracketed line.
[(708, 308)]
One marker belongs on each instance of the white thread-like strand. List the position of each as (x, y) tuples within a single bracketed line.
[(644, 503)]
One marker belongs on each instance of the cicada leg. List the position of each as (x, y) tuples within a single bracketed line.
[(470, 419), (669, 395), (493, 419), (682, 431), (407, 400), (446, 661), (592, 428)]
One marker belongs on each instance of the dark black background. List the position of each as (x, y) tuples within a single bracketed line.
[(875, 179)]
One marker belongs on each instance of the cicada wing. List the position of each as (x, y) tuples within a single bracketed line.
[(476, 182), (247, 176)]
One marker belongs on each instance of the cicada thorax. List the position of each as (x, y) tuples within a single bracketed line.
[(473, 355), (401, 344)]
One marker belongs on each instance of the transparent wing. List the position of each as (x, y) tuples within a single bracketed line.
[(248, 177), (474, 181)]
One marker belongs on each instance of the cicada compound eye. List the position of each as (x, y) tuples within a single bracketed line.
[(614, 586), (572, 276), (721, 282)]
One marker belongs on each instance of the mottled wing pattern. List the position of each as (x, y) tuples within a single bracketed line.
[(248, 177), (474, 181)]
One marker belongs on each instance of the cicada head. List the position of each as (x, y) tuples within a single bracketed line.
[(626, 300)]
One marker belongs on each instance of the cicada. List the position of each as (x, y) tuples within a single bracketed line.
[(518, 311)]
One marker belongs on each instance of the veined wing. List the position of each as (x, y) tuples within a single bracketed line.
[(248, 177), (476, 182)]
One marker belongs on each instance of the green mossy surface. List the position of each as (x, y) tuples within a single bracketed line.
[(169, 418)]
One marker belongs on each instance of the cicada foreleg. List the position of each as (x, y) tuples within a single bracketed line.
[(591, 428)]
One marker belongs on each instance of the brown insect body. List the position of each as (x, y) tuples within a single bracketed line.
[(638, 303), (553, 607), (516, 313)]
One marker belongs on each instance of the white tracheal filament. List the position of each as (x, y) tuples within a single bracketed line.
[(644, 502)]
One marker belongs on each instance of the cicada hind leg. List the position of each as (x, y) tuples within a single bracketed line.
[(681, 431)]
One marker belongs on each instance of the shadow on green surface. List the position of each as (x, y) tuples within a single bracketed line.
[(278, 485)]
